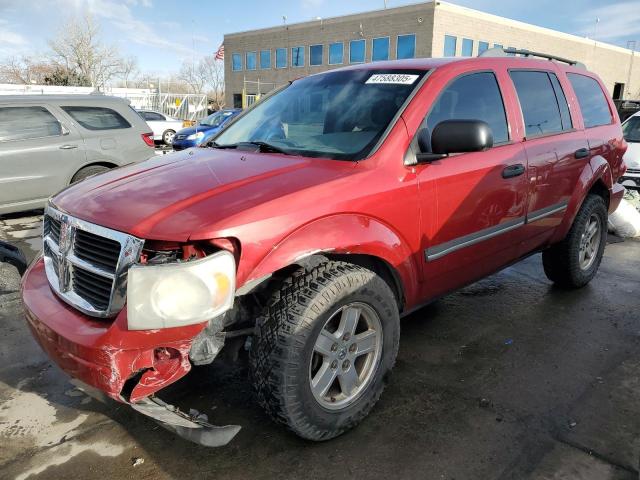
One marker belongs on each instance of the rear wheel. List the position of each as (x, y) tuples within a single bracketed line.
[(323, 348), (167, 137), (574, 262), (88, 172)]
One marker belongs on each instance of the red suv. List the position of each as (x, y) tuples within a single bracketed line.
[(315, 221)]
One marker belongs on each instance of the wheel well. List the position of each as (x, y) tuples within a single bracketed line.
[(599, 188), (94, 164)]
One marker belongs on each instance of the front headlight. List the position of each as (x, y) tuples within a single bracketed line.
[(196, 136), (178, 294)]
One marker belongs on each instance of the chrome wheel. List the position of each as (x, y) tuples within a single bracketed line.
[(168, 137), (590, 242), (345, 356)]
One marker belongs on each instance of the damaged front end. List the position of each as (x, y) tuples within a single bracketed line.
[(152, 342)]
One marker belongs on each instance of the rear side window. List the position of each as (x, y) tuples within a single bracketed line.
[(472, 97), (565, 116), (23, 123), (539, 103), (153, 117), (97, 118), (593, 103)]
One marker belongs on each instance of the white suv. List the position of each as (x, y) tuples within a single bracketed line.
[(631, 131)]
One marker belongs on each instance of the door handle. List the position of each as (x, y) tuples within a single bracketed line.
[(581, 153), (513, 171), (68, 147)]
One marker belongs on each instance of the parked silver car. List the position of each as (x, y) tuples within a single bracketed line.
[(50, 141)]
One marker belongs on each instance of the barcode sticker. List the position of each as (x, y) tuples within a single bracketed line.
[(392, 78)]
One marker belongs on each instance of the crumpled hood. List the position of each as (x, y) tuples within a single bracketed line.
[(172, 196)]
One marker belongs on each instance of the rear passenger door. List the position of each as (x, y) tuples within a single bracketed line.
[(102, 129), (556, 153)]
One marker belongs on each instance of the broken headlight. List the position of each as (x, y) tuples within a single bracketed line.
[(182, 293)]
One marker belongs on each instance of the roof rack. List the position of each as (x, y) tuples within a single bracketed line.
[(504, 52)]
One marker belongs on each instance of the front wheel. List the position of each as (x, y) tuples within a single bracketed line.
[(323, 348), (573, 262)]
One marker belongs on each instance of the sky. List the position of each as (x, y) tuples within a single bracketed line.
[(163, 34)]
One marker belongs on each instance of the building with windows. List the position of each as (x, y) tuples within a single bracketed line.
[(256, 61)]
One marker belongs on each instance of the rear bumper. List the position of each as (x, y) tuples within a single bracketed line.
[(104, 354)]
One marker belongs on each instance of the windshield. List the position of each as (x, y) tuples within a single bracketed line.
[(339, 115), (631, 129), (215, 119)]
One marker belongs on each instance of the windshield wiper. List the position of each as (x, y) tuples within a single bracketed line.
[(263, 146)]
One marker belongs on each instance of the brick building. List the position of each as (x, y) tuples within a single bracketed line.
[(262, 59)]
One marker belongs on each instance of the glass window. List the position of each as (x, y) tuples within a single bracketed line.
[(97, 118), (216, 119), (406, 47), (152, 117), (565, 116), (538, 102), (281, 58), (297, 56), (483, 47), (450, 46), (315, 54), (337, 115), (472, 97), (252, 58), (336, 53), (236, 62), (265, 59), (467, 47), (593, 103), (22, 123), (630, 129), (380, 49), (356, 51)]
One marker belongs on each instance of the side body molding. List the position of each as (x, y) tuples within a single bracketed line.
[(346, 234)]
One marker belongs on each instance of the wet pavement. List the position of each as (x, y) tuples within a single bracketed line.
[(510, 378)]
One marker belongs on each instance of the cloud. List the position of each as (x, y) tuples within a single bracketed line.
[(312, 3), (11, 42), (617, 21), (120, 16)]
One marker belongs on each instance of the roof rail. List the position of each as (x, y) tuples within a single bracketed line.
[(504, 52)]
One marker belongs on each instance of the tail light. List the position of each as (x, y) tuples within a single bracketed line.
[(148, 139)]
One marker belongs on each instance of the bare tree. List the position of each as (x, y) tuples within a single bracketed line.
[(78, 49), (128, 70), (212, 73), (191, 75), (25, 70)]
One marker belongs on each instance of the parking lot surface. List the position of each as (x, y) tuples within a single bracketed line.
[(509, 378)]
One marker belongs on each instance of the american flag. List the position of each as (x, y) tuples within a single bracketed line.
[(220, 53)]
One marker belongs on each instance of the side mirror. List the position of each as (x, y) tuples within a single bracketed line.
[(454, 136)]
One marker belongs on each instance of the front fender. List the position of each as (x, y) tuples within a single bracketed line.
[(597, 169), (345, 234)]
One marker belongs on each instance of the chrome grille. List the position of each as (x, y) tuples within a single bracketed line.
[(633, 170), (87, 264)]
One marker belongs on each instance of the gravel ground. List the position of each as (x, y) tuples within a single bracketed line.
[(509, 378)]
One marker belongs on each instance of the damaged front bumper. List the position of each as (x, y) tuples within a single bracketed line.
[(127, 366)]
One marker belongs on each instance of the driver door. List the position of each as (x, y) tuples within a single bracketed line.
[(471, 202)]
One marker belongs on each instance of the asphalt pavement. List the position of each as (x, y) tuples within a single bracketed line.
[(510, 378)]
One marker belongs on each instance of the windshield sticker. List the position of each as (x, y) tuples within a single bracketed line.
[(392, 78)]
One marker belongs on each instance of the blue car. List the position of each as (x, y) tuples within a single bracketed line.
[(204, 130)]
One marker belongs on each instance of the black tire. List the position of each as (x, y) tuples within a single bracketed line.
[(561, 261), (88, 171), (165, 135), (286, 333)]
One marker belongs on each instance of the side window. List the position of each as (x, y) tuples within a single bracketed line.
[(565, 116), (22, 123), (153, 117), (472, 97), (97, 118), (538, 102), (593, 103)]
